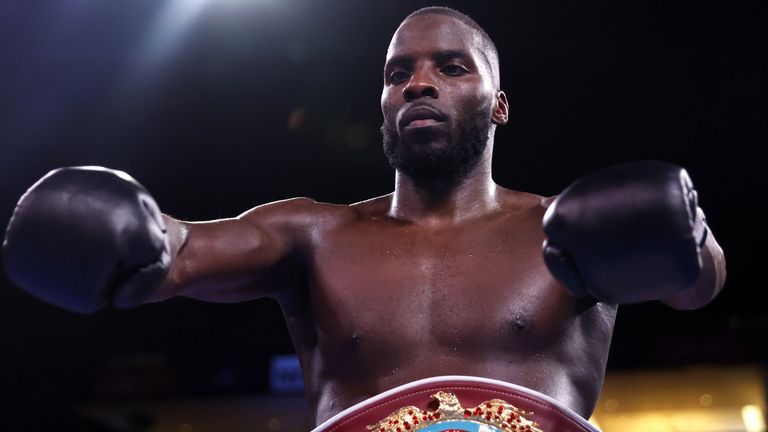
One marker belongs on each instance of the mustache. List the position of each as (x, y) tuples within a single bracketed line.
[(420, 111)]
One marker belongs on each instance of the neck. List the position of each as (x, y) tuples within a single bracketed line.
[(445, 200)]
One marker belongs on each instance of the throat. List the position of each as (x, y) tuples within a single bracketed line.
[(443, 200)]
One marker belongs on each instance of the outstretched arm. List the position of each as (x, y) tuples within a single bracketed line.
[(86, 237), (237, 259)]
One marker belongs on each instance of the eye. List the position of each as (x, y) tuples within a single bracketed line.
[(398, 77), (454, 70)]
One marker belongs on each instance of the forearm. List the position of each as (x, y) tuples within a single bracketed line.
[(708, 284), (227, 260)]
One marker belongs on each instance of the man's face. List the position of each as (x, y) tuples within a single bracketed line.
[(439, 98)]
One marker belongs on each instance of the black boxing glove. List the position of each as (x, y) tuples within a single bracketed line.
[(626, 233), (84, 237)]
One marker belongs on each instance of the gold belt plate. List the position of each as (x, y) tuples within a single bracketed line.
[(496, 413)]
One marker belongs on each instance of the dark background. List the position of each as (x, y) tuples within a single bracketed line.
[(254, 101)]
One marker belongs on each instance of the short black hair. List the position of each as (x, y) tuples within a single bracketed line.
[(488, 43)]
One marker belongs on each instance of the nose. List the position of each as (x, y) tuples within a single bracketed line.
[(420, 85)]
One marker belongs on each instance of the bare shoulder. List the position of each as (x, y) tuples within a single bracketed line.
[(297, 213), (517, 201), (373, 207)]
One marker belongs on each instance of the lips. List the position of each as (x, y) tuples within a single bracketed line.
[(421, 116)]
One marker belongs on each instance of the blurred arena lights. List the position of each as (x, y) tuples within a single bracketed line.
[(702, 398)]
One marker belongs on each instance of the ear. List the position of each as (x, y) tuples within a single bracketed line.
[(501, 109)]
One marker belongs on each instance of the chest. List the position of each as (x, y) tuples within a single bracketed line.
[(471, 287)]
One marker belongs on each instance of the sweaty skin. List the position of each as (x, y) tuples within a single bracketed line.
[(373, 301), (443, 276)]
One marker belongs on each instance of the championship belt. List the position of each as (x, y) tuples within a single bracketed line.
[(458, 404)]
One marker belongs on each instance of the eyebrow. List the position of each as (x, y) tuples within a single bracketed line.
[(437, 56)]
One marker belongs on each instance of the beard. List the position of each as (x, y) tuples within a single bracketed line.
[(420, 159)]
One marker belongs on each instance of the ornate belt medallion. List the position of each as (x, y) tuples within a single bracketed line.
[(494, 415)]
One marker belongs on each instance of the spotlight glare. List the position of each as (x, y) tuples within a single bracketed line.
[(168, 27), (753, 418)]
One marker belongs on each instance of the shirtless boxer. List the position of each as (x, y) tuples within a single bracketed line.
[(444, 276)]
